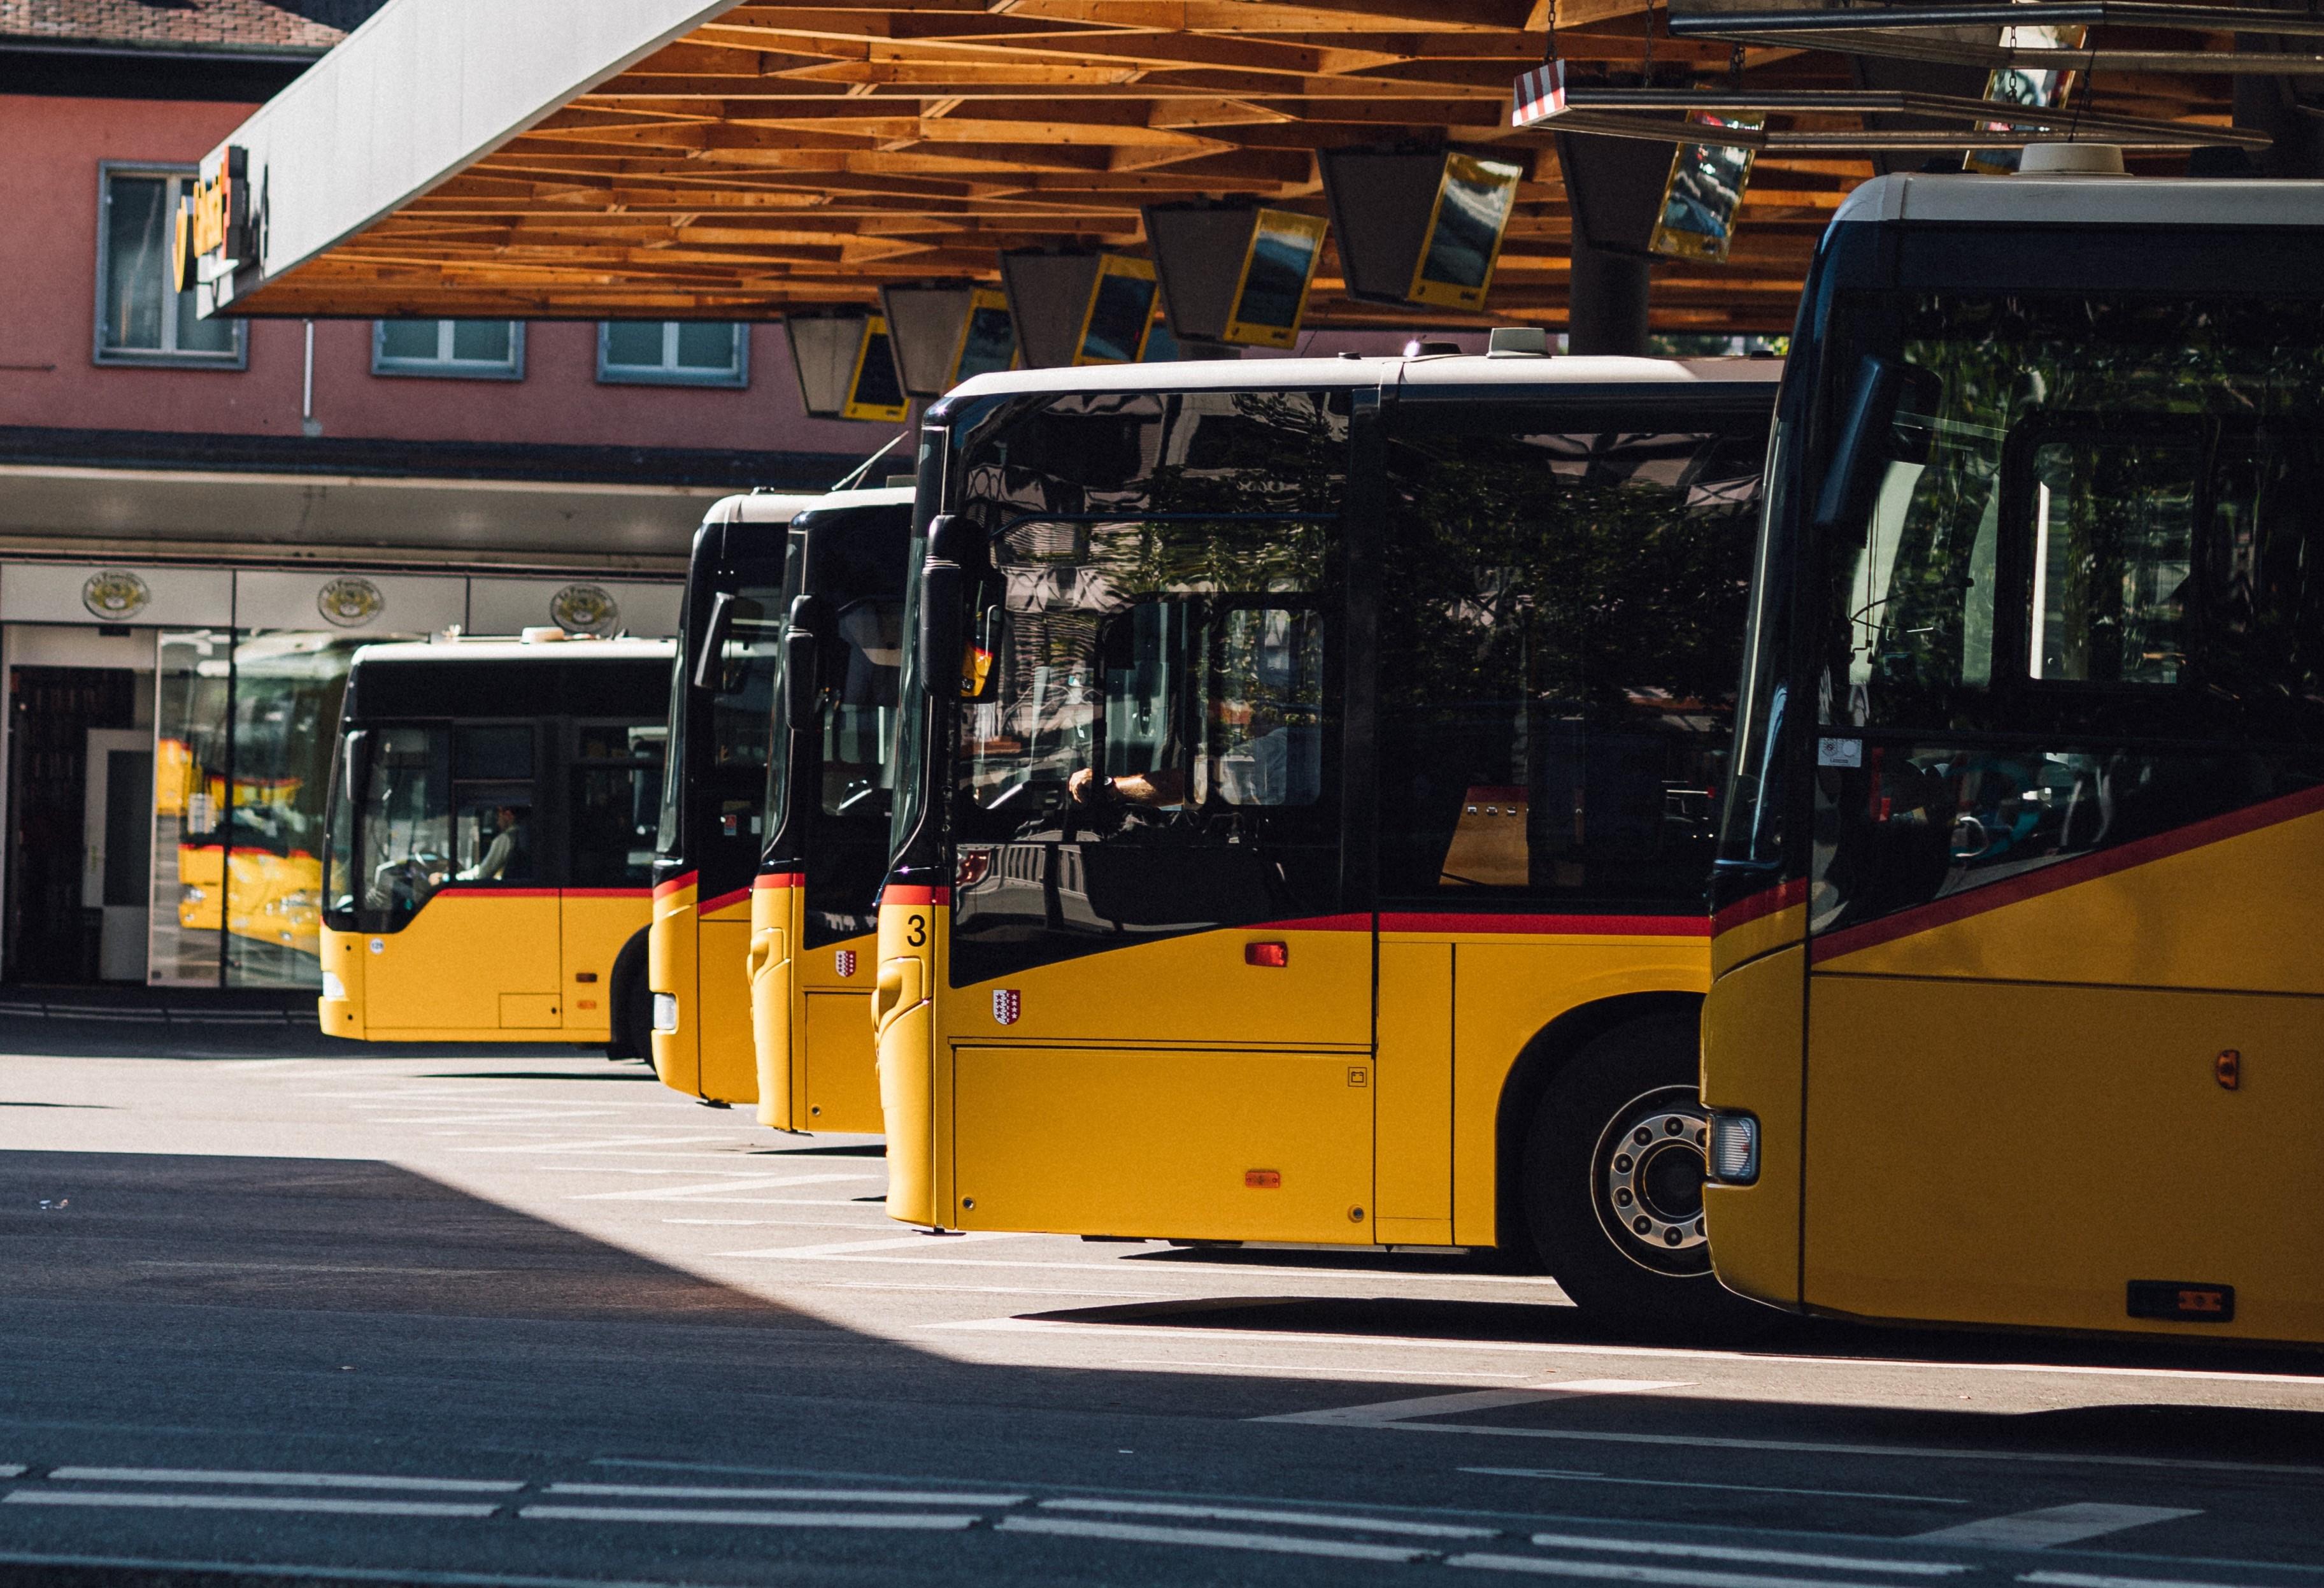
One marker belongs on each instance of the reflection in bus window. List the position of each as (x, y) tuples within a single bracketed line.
[(405, 823), (1152, 757), (616, 806), (1542, 735), (740, 708), (861, 715)]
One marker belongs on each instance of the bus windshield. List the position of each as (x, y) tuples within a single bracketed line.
[(740, 708), (2093, 613)]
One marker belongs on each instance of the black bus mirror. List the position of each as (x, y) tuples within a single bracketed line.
[(1870, 440), (710, 661), (803, 661), (943, 632)]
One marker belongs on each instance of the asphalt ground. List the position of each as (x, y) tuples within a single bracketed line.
[(276, 1307)]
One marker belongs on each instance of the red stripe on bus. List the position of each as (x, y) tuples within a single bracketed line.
[(607, 892), (2066, 874), (779, 879), (900, 893), (488, 891), (683, 880), (1763, 903), (712, 905), (1554, 926)]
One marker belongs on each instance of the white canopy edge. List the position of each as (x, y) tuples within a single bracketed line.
[(418, 94)]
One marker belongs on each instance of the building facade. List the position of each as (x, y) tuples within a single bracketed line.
[(200, 520)]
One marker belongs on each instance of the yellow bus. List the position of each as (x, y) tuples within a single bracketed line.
[(490, 841), (1303, 805), (2017, 1016), (828, 799), (713, 791)]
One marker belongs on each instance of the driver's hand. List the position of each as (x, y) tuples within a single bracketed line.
[(1087, 788)]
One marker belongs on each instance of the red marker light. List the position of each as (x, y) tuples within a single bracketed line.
[(1273, 956), (1262, 1179)]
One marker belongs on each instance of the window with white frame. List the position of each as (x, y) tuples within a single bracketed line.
[(458, 349), (142, 318), (674, 352)]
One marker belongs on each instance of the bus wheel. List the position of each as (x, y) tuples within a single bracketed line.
[(1614, 1169), (632, 1010)]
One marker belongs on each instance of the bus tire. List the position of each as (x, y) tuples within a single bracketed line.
[(633, 1004), (1613, 1185)]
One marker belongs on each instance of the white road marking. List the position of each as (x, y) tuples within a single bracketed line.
[(929, 1521), (11, 1470), (2085, 1580), (972, 1289), (933, 1245), (112, 1498), (1816, 1447), (1208, 1538), (1289, 1518), (865, 1496), (599, 1146), (701, 1189), (399, 1577), (1673, 1355), (2054, 1524), (1556, 1476), (1763, 1557), (279, 1480), (1419, 1375), (1606, 1571), (1383, 1413)]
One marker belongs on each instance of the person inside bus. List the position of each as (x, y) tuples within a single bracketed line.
[(1164, 786), (505, 849)]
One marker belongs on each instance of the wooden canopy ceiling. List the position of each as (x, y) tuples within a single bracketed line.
[(784, 156)]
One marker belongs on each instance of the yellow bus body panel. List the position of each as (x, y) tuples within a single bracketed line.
[(1753, 1024), (671, 942), (695, 953), (912, 923), (595, 922), (810, 1018), (474, 966)]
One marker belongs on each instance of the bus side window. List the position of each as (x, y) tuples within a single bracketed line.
[(492, 776)]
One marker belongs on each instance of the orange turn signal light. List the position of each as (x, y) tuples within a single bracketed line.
[(1262, 1179), (1274, 955), (2230, 1068)]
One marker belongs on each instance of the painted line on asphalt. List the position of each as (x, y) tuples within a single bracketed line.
[(1903, 1452), (1606, 1570), (112, 1499), (11, 1470), (280, 1479), (1556, 1475), (914, 1521), (1418, 1375), (396, 1577), (1289, 1518), (1682, 1355), (1748, 1557), (866, 1496), (701, 1189), (2054, 1524), (1381, 1414), (1224, 1336), (590, 1146), (932, 1245), (1209, 1539), (2087, 1580)]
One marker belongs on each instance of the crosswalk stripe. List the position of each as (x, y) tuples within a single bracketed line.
[(919, 1521), (1293, 1519), (1382, 1412), (114, 1499), (1556, 1476), (934, 1247), (702, 1190), (859, 1496), (1765, 1558), (1609, 1571), (2088, 1580), (1209, 1538), (279, 1480), (2054, 1524)]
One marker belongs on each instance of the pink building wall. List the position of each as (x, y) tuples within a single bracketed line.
[(48, 260)]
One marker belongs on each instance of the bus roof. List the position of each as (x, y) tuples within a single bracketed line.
[(403, 651), (1444, 369), (2082, 201)]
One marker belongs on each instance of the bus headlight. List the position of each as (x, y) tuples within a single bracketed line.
[(1734, 1148), (665, 1011), (332, 986)]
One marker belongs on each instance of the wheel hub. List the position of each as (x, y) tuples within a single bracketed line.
[(1648, 1185)]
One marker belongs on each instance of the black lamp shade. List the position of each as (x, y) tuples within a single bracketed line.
[(1234, 273), (1419, 226), (1074, 308)]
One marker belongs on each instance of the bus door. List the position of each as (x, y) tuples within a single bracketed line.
[(1159, 1019), (451, 851), (2066, 1048), (612, 810)]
